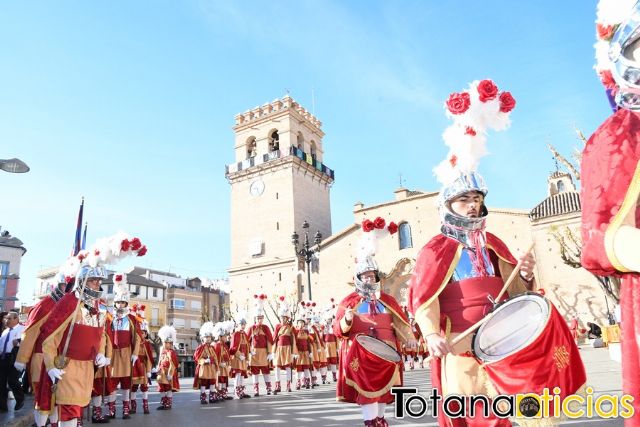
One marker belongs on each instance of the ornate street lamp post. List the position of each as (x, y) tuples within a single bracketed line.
[(305, 251)]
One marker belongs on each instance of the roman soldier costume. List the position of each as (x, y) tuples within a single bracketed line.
[(239, 351), (368, 314), (284, 346), (261, 342), (206, 375), (611, 182), (167, 368), (143, 366)]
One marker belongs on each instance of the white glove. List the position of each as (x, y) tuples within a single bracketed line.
[(269, 357), (148, 374), (253, 352), (100, 361), (19, 366), (222, 365), (134, 358), (295, 356), (242, 357), (207, 361), (55, 374), (169, 378), (311, 355), (154, 370), (108, 361)]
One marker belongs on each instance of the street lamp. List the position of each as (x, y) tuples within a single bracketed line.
[(13, 166), (305, 251)]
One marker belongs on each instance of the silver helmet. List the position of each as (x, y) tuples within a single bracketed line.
[(367, 290), (623, 52), (457, 226), (86, 272)]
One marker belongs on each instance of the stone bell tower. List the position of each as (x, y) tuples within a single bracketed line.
[(278, 180)]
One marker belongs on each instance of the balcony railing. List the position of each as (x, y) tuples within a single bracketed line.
[(273, 155)]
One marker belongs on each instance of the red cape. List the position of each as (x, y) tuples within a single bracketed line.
[(38, 311), (610, 188), (265, 329), (435, 266)]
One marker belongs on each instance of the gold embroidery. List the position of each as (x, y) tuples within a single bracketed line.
[(561, 357), (355, 364)]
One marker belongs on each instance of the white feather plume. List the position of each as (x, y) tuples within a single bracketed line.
[(168, 333)]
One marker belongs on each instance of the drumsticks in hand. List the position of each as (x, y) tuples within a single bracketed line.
[(480, 322)]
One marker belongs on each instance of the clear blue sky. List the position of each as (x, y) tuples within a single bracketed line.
[(130, 104)]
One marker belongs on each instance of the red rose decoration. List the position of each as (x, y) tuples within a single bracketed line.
[(393, 227), (135, 243), (308, 304), (332, 300), (379, 223), (81, 257), (118, 278), (507, 102), (367, 225), (313, 304), (605, 32), (125, 245), (453, 160), (142, 307), (302, 303), (142, 251), (607, 80), (96, 252), (281, 298), (458, 103), (68, 279), (487, 90), (470, 131), (255, 296)]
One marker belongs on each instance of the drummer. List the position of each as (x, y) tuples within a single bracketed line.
[(372, 312), (455, 274)]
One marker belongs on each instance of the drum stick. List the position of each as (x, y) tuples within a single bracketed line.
[(480, 322)]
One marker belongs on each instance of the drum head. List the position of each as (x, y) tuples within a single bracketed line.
[(514, 324), (379, 348)]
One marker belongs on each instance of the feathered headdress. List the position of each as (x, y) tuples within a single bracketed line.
[(106, 251), (474, 111), (258, 305), (283, 307), (168, 334), (207, 329), (120, 288)]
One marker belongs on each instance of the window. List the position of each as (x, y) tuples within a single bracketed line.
[(138, 290), (177, 303), (196, 305), (110, 289), (313, 150), (178, 323), (274, 141), (560, 187), (251, 147), (155, 292), (4, 272), (195, 324), (404, 231)]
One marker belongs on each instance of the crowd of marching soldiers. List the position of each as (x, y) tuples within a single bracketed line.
[(230, 352)]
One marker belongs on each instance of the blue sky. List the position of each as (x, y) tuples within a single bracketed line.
[(131, 104)]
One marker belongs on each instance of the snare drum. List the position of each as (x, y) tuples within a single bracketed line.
[(526, 346), (372, 366)]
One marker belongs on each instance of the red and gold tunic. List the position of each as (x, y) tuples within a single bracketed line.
[(239, 352), (86, 342), (331, 346), (261, 341), (285, 345), (387, 323), (206, 364), (224, 358), (303, 345), (320, 354), (168, 367), (145, 362), (125, 343), (610, 190)]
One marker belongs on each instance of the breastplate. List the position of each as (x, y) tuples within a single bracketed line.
[(465, 268), (364, 308)]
